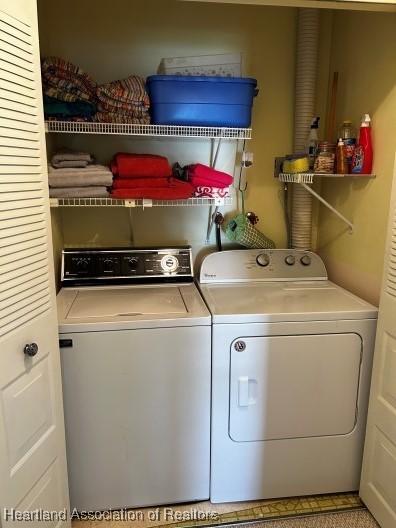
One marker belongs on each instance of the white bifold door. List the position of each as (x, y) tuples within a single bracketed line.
[(32, 447), (378, 484)]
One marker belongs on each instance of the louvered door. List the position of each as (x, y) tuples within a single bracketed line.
[(378, 485), (32, 447)]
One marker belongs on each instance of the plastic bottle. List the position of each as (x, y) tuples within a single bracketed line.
[(363, 156), (348, 135), (341, 159), (312, 141)]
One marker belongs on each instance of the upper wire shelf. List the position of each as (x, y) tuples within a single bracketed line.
[(143, 203), (129, 129)]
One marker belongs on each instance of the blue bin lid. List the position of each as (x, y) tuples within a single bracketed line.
[(202, 78)]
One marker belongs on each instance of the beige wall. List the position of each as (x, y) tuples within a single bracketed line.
[(364, 54), (132, 37)]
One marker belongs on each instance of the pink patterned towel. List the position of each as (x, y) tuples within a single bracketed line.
[(211, 192)]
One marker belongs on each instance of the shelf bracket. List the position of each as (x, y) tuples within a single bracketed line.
[(329, 206), (214, 156)]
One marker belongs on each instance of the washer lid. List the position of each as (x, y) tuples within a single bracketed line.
[(113, 302), (283, 301), (130, 307)]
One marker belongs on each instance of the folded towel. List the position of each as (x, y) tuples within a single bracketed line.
[(80, 180), (66, 81), (93, 168), (130, 90), (79, 192), (91, 175), (69, 164), (175, 190), (127, 165), (211, 192), (140, 183), (71, 155), (202, 175)]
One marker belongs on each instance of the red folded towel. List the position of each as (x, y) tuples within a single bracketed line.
[(139, 183), (202, 175), (127, 165), (173, 190)]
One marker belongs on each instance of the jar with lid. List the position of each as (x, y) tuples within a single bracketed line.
[(325, 158)]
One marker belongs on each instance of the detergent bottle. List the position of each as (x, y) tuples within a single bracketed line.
[(363, 155)]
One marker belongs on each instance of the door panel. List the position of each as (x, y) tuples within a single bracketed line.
[(137, 409), (32, 446), (378, 483), (294, 386)]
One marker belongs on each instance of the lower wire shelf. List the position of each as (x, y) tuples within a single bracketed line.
[(143, 203)]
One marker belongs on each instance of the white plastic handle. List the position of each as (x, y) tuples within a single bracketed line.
[(243, 391)]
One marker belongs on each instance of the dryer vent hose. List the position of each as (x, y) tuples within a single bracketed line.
[(306, 71)]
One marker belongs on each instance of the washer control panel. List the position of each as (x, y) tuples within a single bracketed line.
[(113, 265), (262, 265)]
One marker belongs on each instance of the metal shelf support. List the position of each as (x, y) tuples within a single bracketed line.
[(329, 206)]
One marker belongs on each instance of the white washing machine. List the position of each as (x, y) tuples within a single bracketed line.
[(135, 338), (291, 367)]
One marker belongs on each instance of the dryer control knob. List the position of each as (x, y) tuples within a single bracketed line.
[(263, 259), (290, 260), (305, 260), (169, 263)]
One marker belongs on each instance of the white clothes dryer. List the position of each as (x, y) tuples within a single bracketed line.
[(291, 367)]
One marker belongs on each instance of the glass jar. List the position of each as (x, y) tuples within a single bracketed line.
[(325, 158)]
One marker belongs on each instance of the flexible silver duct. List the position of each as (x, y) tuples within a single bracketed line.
[(306, 71)]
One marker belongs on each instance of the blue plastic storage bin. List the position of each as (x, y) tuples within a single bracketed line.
[(201, 101)]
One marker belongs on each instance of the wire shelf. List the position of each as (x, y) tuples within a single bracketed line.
[(143, 203), (309, 177), (129, 129)]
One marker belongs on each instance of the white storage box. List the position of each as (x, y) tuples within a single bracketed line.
[(224, 65)]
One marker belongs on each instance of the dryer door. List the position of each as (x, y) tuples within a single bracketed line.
[(294, 386)]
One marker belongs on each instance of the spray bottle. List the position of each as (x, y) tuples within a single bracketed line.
[(363, 156), (312, 141)]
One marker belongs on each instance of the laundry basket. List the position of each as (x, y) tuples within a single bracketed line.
[(240, 230)]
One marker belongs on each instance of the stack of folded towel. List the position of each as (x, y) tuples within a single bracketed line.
[(208, 182), (146, 176), (124, 101), (73, 175), (68, 92)]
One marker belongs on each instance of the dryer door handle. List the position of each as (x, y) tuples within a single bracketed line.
[(245, 398)]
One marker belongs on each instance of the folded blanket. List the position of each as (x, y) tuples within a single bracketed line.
[(92, 175), (124, 109), (130, 90), (175, 190), (211, 192), (66, 81), (109, 117), (140, 183), (70, 156), (62, 110), (126, 165), (202, 175), (79, 192)]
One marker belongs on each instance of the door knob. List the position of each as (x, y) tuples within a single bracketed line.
[(31, 349)]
